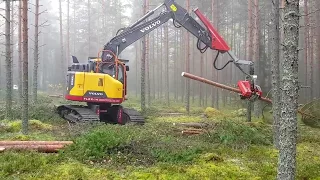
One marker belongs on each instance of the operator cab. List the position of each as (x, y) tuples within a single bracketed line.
[(95, 65)]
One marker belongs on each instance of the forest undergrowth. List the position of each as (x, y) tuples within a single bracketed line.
[(229, 148)]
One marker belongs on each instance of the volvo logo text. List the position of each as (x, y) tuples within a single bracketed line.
[(95, 93), (150, 26)]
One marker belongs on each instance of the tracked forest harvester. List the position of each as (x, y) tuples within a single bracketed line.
[(102, 82)]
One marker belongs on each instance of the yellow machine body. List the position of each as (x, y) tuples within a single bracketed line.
[(95, 87)]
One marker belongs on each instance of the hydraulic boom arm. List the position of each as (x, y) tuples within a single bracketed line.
[(180, 17)]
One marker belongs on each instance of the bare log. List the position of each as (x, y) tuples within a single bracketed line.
[(56, 96), (39, 148), (191, 132), (171, 114), (194, 125), (222, 86), (11, 143)]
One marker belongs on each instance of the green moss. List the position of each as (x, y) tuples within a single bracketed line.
[(16, 163), (213, 113), (195, 171), (34, 125), (308, 161), (240, 113), (33, 136), (178, 119)]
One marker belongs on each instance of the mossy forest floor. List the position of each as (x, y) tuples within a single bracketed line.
[(229, 148)]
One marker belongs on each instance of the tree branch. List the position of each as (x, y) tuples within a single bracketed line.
[(42, 45), (4, 17), (45, 11), (43, 24), (310, 13)]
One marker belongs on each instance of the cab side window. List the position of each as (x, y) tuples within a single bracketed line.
[(120, 74)]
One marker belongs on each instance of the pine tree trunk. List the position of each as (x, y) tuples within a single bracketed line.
[(275, 70), (306, 47), (290, 92), (61, 49), (217, 94), (137, 47), (161, 68), (154, 65), (89, 28), (12, 41), (200, 84), (257, 108), (68, 30), (212, 53), (74, 27), (182, 65), (20, 52), (311, 46), (148, 58), (250, 51), (188, 65), (318, 41), (167, 64), (36, 54), (143, 67), (194, 69), (8, 64), (25, 68), (175, 83)]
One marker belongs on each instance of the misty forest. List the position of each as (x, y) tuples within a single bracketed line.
[(159, 89)]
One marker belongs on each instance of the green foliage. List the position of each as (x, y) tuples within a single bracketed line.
[(240, 135), (95, 145), (126, 145), (176, 150), (40, 111)]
